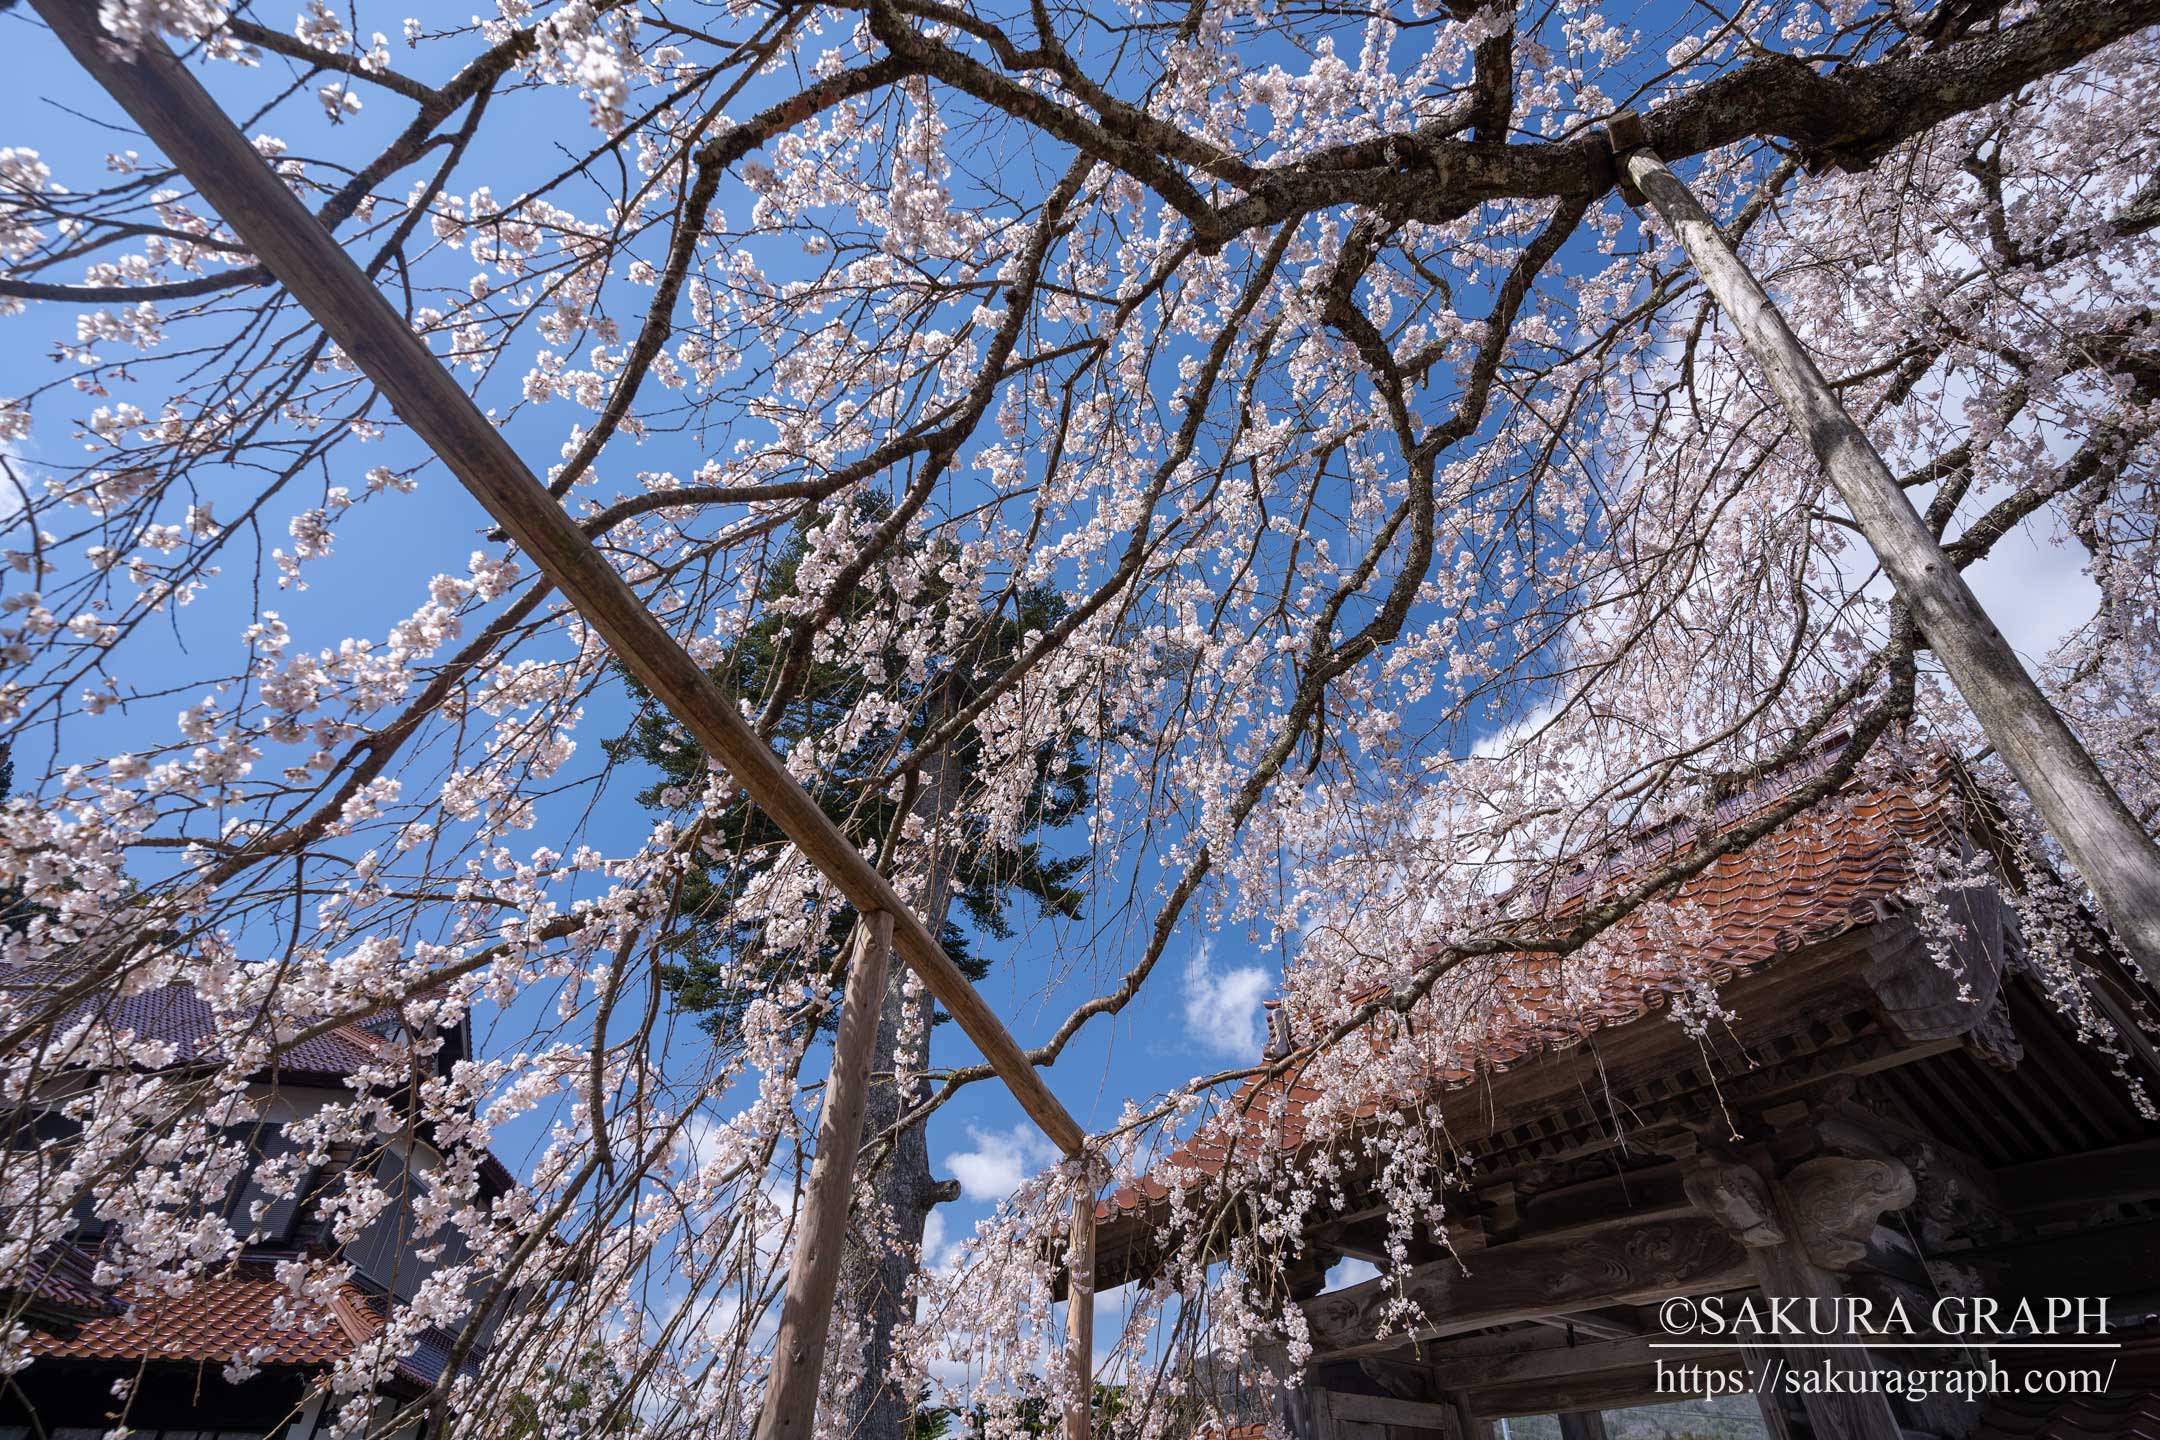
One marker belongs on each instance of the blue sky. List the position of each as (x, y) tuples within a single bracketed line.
[(1201, 1010)]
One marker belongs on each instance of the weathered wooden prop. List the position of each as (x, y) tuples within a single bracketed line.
[(1582, 1425), (182, 119), (814, 1268), (2102, 838), (1080, 1305), (1826, 1206)]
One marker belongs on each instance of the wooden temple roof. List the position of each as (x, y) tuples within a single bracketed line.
[(1843, 866)]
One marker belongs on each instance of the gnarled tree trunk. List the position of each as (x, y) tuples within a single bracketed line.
[(877, 1273)]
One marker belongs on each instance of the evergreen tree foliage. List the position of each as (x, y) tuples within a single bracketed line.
[(715, 964)]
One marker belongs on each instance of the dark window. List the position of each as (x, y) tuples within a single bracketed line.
[(384, 1253), (485, 1340), (268, 1142), (56, 1136), (375, 1253)]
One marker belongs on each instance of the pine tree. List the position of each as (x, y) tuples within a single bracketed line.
[(717, 965)]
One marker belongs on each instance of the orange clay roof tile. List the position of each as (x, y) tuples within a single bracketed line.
[(214, 1320), (230, 1314)]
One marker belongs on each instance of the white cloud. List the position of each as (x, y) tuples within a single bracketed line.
[(1222, 1008), (1505, 740), (1112, 1306), (2035, 589), (14, 479), (1000, 1160), (936, 1251), (1349, 1272)]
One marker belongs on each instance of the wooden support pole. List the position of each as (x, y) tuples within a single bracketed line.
[(1853, 1409), (182, 120), (1080, 1306), (2097, 831), (1764, 1367), (814, 1269), (1583, 1425)]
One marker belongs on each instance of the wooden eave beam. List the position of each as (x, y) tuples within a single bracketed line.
[(2119, 1175), (1525, 1365), (1629, 1263), (2117, 1260), (1610, 1323), (1820, 979)]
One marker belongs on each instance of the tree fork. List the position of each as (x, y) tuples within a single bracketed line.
[(181, 118), (2104, 841)]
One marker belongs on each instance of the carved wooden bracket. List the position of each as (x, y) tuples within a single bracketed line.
[(1958, 1197), (1922, 1000), (1836, 1200), (1733, 1195), (1993, 1040)]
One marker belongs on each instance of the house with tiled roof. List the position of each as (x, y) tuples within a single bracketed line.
[(1864, 1126), (153, 1358)]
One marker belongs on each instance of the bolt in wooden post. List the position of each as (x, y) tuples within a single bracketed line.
[(2096, 830), (814, 1269)]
